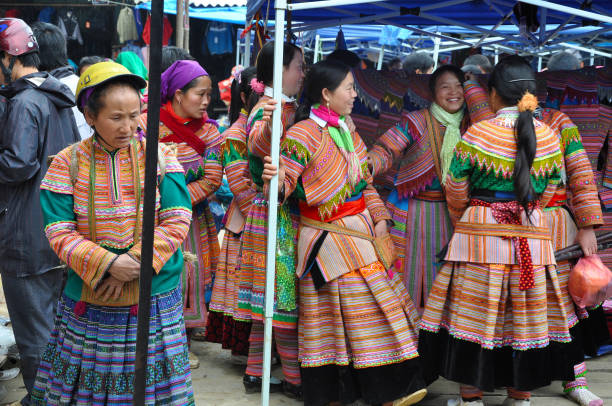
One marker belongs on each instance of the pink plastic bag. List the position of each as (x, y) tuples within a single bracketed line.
[(590, 281)]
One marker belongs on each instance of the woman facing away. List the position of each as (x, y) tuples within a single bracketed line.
[(92, 199), (184, 124), (421, 147), (495, 316), (253, 251), (589, 330), (222, 326), (357, 323)]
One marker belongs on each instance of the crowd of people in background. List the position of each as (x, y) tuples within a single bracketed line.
[(452, 275)]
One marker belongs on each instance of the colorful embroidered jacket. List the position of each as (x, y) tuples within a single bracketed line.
[(203, 174), (584, 200), (260, 132), (414, 143), (236, 164), (484, 160), (88, 227), (316, 169)]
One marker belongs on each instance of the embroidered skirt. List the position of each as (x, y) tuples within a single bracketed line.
[(90, 356), (253, 265), (197, 279), (221, 327), (421, 230), (479, 329), (357, 338)]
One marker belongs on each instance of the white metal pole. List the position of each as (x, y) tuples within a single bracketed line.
[(570, 10), (539, 64), (237, 47), (247, 49), (279, 39), (496, 54), (592, 60), (317, 49), (381, 56), (436, 51)]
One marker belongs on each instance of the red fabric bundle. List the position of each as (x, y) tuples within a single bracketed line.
[(590, 282)]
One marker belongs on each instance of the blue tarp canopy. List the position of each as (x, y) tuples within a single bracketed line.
[(232, 15), (560, 21)]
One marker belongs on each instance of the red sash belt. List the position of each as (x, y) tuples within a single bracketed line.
[(558, 200), (350, 208), (510, 213)]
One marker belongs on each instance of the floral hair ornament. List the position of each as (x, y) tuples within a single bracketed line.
[(528, 102), (257, 86), (237, 72)]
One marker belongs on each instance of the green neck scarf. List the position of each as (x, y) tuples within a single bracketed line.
[(452, 135)]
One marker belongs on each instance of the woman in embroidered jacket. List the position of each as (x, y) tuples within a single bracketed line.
[(253, 251), (184, 123), (92, 203), (222, 327), (496, 315), (421, 147), (586, 209), (357, 324)]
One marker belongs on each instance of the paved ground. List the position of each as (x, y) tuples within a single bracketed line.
[(219, 383)]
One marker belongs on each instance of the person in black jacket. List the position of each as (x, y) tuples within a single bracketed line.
[(54, 59), (39, 123)]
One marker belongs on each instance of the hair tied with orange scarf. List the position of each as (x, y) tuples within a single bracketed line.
[(528, 102)]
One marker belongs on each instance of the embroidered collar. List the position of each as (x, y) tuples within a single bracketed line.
[(269, 92)]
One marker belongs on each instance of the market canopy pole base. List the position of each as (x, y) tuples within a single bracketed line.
[(148, 217)]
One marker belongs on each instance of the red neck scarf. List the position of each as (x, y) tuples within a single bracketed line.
[(183, 130)]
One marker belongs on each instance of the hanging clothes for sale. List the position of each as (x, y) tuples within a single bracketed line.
[(146, 33), (69, 25), (219, 39), (126, 26), (46, 15)]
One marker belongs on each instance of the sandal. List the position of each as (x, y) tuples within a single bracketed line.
[(198, 334)]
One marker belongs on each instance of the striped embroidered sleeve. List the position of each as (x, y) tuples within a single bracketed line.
[(389, 147), (477, 102), (237, 170), (259, 135), (86, 258), (375, 205), (457, 188), (296, 151), (605, 119), (174, 217), (584, 198), (213, 170)]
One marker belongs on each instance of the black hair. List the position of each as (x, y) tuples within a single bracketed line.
[(418, 60), (322, 75), (345, 56), (171, 54), (51, 46), (475, 69), (95, 102), (433, 79), (511, 79), (190, 85), (87, 61), (481, 61), (29, 60), (265, 60), (563, 61), (239, 87)]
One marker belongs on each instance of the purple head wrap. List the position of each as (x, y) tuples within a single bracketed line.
[(177, 76)]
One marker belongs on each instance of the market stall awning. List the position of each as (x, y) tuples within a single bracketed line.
[(208, 3), (482, 17), (232, 15)]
